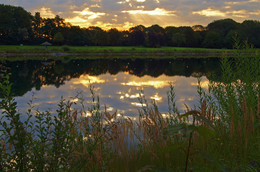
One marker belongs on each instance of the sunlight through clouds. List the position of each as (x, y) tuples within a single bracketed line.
[(241, 2), (155, 12), (210, 12), (76, 20), (217, 13), (45, 12), (89, 14), (85, 13)]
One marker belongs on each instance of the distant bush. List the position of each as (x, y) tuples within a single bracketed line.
[(65, 48)]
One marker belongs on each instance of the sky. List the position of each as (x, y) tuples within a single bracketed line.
[(123, 14)]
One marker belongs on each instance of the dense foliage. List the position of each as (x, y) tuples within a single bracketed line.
[(18, 26)]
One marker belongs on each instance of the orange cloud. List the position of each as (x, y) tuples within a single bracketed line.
[(155, 12), (45, 12), (77, 21), (89, 13), (209, 12)]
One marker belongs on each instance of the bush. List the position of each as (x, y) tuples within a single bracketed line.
[(66, 48)]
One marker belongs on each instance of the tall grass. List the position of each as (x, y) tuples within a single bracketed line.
[(236, 104), (221, 134)]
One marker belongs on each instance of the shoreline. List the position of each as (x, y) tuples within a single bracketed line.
[(122, 54), (10, 52)]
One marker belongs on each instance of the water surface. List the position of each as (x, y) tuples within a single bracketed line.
[(118, 83)]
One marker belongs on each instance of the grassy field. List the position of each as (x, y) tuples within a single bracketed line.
[(99, 49), (15, 52)]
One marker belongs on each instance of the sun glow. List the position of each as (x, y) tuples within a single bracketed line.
[(155, 12), (209, 12), (45, 12), (90, 14), (138, 104), (87, 80), (156, 97), (76, 20), (155, 84), (203, 84)]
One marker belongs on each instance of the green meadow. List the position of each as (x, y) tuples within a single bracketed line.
[(101, 49), (15, 52)]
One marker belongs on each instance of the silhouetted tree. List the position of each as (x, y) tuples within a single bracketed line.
[(198, 28), (250, 31), (37, 24), (18, 26), (155, 36), (169, 34), (58, 38), (97, 36), (74, 35), (137, 35), (15, 25), (223, 26), (212, 39), (114, 37), (178, 39)]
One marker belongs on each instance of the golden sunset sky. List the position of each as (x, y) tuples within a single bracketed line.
[(123, 14)]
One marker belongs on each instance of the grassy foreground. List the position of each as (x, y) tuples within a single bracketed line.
[(99, 49), (221, 134), (34, 52)]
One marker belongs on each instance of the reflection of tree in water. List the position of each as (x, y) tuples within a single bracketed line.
[(28, 74)]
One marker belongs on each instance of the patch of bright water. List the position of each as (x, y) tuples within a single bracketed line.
[(118, 92)]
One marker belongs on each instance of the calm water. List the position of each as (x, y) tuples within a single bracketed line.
[(118, 83)]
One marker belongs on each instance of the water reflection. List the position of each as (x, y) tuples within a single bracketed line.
[(117, 82)]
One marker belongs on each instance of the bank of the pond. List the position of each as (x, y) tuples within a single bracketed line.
[(34, 52)]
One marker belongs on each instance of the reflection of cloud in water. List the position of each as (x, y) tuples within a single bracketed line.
[(155, 84), (147, 81), (86, 80), (123, 98), (156, 97), (109, 109), (204, 84), (134, 96), (138, 104)]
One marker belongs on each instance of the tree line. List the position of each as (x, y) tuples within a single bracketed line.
[(17, 26)]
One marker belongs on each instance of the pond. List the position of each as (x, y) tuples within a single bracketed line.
[(117, 82)]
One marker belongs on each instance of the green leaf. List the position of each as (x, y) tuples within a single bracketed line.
[(175, 128), (212, 160), (205, 132), (192, 112), (205, 120), (189, 129)]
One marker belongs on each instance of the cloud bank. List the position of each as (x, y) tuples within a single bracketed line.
[(123, 14)]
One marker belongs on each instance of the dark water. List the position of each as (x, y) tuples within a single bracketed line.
[(117, 82)]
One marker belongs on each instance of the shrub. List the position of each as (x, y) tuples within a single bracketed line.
[(65, 48)]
